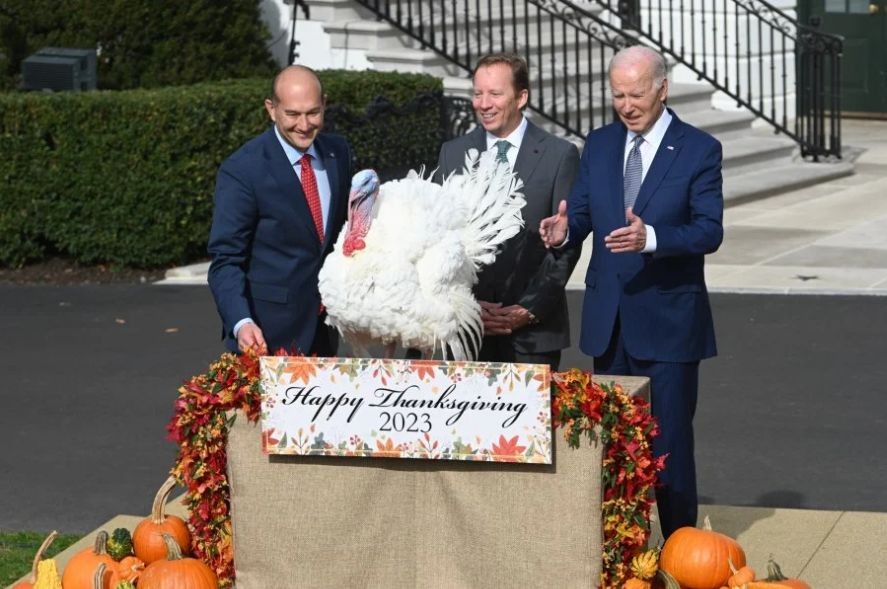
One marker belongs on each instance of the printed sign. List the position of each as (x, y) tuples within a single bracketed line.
[(406, 409)]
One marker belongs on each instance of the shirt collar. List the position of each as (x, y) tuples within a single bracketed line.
[(515, 138), (657, 131), (292, 154)]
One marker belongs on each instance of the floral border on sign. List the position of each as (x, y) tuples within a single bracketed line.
[(605, 413), (534, 446)]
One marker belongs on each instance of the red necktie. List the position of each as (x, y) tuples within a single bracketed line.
[(312, 195)]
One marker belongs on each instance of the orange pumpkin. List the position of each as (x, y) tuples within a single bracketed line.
[(740, 577), (147, 538), (700, 559), (128, 569), (80, 572), (635, 583), (177, 572), (29, 584)]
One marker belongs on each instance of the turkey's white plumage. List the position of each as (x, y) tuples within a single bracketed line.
[(411, 283)]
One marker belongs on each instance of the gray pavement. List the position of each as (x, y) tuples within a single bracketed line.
[(791, 414)]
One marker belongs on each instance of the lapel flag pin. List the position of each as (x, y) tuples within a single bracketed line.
[(671, 147)]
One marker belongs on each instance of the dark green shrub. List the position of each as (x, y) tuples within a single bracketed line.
[(143, 44), (127, 177)]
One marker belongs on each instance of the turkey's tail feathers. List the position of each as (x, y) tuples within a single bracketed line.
[(464, 344), (492, 193)]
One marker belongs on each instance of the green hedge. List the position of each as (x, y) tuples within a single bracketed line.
[(143, 44), (127, 177)]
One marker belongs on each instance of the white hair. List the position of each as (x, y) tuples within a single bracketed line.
[(640, 54)]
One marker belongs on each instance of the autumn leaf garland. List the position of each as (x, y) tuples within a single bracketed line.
[(625, 427)]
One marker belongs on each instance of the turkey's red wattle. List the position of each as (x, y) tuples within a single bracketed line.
[(359, 219), (352, 244)]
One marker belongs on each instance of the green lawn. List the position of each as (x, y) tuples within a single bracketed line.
[(17, 551)]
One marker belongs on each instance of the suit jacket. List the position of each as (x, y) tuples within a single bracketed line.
[(525, 273), (264, 246), (661, 298)]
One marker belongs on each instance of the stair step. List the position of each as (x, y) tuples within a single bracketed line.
[(768, 180), (365, 34), (328, 11), (723, 124), (753, 150), (689, 97), (417, 61)]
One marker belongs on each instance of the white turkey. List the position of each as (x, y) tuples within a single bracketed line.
[(403, 268)]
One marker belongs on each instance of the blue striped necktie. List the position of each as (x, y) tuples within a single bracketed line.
[(634, 173)]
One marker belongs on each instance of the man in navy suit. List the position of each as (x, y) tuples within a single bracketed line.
[(279, 204), (649, 190)]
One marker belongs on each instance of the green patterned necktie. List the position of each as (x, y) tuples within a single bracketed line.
[(502, 148)]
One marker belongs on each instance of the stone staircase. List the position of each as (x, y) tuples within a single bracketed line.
[(757, 163)]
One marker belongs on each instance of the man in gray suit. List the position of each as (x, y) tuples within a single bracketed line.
[(524, 308)]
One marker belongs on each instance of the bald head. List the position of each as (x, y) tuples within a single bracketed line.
[(295, 75), (642, 59)]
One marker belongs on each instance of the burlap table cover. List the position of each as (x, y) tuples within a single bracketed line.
[(302, 522)]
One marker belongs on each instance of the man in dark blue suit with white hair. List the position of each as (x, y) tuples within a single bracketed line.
[(649, 189), (279, 204)]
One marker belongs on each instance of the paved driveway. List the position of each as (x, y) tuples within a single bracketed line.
[(791, 414)]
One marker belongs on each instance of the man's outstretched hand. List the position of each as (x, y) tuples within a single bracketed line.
[(553, 230)]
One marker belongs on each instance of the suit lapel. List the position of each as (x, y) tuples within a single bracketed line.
[(475, 139), (478, 142), (290, 187), (531, 150), (662, 161)]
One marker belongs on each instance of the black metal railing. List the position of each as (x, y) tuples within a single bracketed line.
[(566, 47), (784, 72)]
